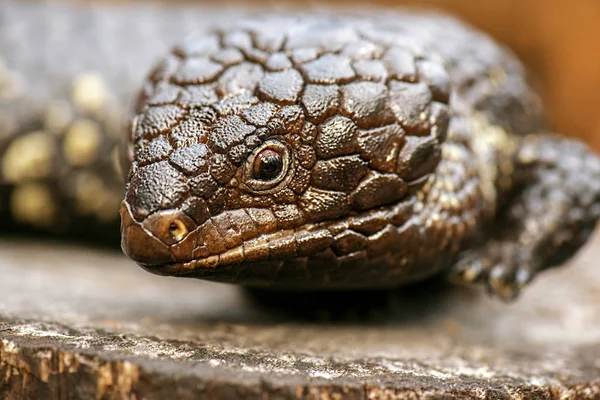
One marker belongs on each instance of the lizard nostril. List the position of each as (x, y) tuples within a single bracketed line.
[(169, 226), (178, 230)]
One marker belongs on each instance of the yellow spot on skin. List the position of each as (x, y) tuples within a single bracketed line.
[(492, 145), (89, 92), (93, 198), (434, 194), (419, 206), (470, 274), (33, 203), (88, 193), (28, 157), (527, 156), (81, 142), (58, 117), (454, 203)]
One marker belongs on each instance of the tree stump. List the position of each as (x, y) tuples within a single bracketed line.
[(79, 323)]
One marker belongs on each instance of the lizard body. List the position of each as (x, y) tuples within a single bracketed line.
[(321, 151)]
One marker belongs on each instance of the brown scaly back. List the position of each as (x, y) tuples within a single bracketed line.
[(300, 152)]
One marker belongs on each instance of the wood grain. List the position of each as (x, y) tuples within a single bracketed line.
[(84, 324)]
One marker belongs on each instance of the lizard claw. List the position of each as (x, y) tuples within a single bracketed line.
[(504, 268), (468, 269)]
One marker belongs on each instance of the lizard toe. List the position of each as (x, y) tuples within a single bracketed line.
[(470, 268)]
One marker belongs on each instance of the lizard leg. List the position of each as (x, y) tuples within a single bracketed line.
[(552, 212)]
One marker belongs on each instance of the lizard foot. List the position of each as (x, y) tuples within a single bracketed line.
[(504, 267), (553, 211)]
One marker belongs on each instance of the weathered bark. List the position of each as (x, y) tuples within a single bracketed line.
[(83, 324)]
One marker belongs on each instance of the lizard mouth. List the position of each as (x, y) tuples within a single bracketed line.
[(169, 243), (266, 248)]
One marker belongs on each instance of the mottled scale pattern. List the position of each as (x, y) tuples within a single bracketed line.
[(299, 150), (381, 189)]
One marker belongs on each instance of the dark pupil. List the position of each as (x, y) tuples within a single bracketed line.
[(269, 165)]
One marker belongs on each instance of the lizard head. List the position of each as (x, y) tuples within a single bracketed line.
[(255, 150)]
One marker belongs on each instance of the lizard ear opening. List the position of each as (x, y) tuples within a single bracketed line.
[(268, 168)]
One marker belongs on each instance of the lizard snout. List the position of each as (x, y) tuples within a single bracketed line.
[(157, 238)]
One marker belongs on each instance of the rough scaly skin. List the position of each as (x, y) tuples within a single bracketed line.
[(402, 149), (411, 146)]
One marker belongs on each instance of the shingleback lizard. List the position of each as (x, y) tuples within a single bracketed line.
[(291, 151)]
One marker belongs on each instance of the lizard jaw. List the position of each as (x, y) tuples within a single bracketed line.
[(199, 250), (267, 248)]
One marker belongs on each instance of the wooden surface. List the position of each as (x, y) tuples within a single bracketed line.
[(84, 323)]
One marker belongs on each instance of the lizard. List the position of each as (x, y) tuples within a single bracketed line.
[(340, 151)]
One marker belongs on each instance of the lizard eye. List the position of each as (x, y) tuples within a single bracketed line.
[(267, 166)]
